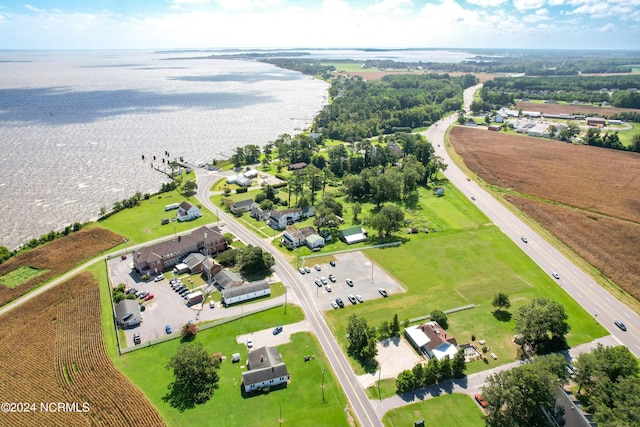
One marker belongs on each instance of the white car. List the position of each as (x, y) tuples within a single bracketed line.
[(211, 304), (323, 280), (359, 298), (334, 304), (158, 278), (249, 343), (524, 239), (328, 288), (317, 267), (555, 275)]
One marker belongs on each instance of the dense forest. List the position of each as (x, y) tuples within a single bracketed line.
[(399, 103)]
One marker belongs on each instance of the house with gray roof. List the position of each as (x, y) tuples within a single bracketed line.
[(265, 369), (241, 206), (128, 313), (239, 293), (227, 279)]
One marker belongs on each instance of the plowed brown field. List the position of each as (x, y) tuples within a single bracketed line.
[(52, 351), (57, 257), (587, 110), (585, 196)]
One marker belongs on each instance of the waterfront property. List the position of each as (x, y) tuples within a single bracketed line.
[(157, 258), (187, 212), (265, 369)]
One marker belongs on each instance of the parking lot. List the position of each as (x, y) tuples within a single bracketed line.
[(166, 308), (366, 276)]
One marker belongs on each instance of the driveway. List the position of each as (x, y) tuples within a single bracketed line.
[(394, 356), (265, 337)]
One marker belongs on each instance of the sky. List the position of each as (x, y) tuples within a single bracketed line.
[(202, 24)]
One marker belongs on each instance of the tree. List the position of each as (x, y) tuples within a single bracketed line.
[(445, 369), (520, 396), (389, 219), (189, 188), (253, 260), (543, 324), (228, 257), (195, 376), (440, 317), (5, 254), (383, 330), (189, 332), (432, 372), (356, 209), (405, 381), (418, 375), (395, 326), (501, 301), (458, 365), (360, 337)]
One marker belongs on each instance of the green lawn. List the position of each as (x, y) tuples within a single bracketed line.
[(301, 402), (142, 223), (449, 410), (20, 275)]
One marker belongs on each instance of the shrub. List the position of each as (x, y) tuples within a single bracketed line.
[(241, 190)]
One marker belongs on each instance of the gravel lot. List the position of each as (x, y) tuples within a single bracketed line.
[(366, 277)]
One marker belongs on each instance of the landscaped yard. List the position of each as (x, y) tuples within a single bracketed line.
[(143, 223), (450, 410), (300, 403)]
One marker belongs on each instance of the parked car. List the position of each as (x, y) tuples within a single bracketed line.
[(339, 302), (144, 294), (350, 282), (167, 329), (334, 304), (318, 282), (148, 297), (332, 278), (249, 343), (173, 281), (359, 298), (555, 275), (277, 330), (301, 270), (352, 299), (327, 287), (317, 267), (620, 325), (307, 270), (473, 198), (131, 291), (123, 257), (136, 338), (383, 292), (212, 304), (323, 280), (159, 278), (332, 263), (481, 400), (524, 239)]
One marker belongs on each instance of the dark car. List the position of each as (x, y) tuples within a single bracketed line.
[(123, 257), (332, 263), (167, 329), (620, 325), (277, 330), (340, 302)]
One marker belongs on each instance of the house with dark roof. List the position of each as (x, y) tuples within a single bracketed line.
[(432, 340), (128, 313), (187, 212), (297, 166), (227, 279), (265, 369), (258, 213), (157, 258), (235, 294), (280, 219), (194, 262), (241, 206)]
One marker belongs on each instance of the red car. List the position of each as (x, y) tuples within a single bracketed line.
[(148, 297), (481, 400)]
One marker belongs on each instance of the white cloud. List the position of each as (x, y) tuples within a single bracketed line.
[(607, 28), (487, 3), (338, 7), (390, 6), (528, 4), (33, 9), (556, 2), (537, 16), (190, 1), (247, 4)]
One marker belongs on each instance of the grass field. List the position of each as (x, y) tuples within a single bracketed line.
[(20, 275), (449, 410), (143, 223), (301, 402)]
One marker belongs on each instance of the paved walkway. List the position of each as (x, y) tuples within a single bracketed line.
[(473, 383)]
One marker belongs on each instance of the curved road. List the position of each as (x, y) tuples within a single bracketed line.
[(363, 411), (580, 286)]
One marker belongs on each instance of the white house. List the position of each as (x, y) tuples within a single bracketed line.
[(280, 219), (258, 213), (247, 292), (294, 237), (314, 241), (431, 339), (265, 369), (187, 212), (241, 206)]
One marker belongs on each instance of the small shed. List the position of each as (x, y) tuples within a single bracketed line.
[(235, 357)]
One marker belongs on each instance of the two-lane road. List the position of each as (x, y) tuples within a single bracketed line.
[(580, 286), (362, 408)]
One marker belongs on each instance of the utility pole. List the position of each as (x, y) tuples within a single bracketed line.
[(323, 385)]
